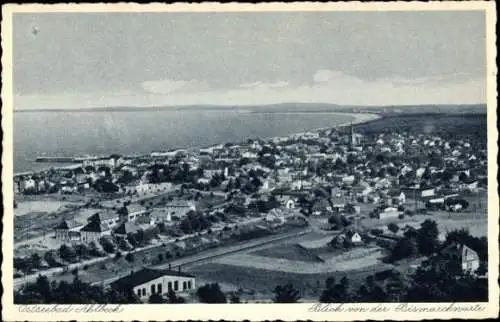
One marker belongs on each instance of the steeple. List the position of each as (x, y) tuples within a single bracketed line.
[(353, 136)]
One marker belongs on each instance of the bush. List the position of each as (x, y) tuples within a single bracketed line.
[(401, 216), (393, 227), (107, 245), (409, 213), (129, 257), (66, 253)]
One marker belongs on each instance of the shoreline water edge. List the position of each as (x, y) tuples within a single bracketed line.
[(359, 118)]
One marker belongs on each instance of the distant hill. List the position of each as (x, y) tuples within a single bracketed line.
[(294, 107)]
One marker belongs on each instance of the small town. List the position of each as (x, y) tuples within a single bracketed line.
[(347, 214)]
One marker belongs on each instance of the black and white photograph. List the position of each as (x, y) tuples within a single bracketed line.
[(249, 157)]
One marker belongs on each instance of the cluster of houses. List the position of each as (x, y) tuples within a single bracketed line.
[(90, 224), (326, 174), (384, 170)]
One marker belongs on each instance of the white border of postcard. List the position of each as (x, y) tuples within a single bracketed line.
[(288, 312)]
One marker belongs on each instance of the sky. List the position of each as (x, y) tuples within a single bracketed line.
[(78, 60)]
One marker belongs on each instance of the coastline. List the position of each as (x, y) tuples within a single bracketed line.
[(358, 119)]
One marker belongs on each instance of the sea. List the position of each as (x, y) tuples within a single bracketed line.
[(79, 133)]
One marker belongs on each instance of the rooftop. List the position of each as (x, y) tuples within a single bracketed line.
[(145, 275), (96, 227)]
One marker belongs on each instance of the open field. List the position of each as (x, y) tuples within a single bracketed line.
[(259, 283), (342, 263), (37, 245), (37, 224), (316, 243), (475, 222), (448, 126), (290, 252), (27, 207)]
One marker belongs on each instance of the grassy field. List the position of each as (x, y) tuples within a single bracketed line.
[(448, 126), (44, 206), (259, 283), (474, 221), (290, 252), (35, 224)]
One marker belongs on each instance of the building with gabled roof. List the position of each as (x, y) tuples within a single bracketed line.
[(466, 259), (105, 216), (125, 228), (149, 281), (93, 231), (65, 228)]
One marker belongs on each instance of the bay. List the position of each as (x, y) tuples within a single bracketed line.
[(72, 133)]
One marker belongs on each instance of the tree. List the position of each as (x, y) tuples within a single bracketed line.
[(50, 259), (234, 298), (427, 237), (77, 292), (405, 247), (393, 227), (156, 298), (20, 264), (107, 245), (211, 293), (35, 260), (286, 294), (129, 257), (81, 251), (94, 251), (66, 253), (122, 212), (172, 298)]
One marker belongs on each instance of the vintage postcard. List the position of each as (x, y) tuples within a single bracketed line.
[(305, 161)]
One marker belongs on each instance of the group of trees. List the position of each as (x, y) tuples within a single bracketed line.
[(262, 206), (194, 221), (171, 298), (105, 185), (57, 258), (27, 264), (143, 237), (422, 241), (77, 292)]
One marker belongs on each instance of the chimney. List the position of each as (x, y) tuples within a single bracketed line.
[(169, 266)]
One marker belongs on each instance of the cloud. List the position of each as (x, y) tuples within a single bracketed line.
[(168, 86), (329, 86), (264, 85)]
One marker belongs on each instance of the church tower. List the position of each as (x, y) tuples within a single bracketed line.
[(353, 137)]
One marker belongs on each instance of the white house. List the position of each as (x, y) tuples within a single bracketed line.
[(148, 281), (468, 258), (354, 237), (65, 228), (159, 215), (179, 208), (30, 185), (134, 211), (428, 193), (290, 204), (349, 180), (389, 212)]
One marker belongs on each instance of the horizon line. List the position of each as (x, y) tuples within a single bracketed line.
[(103, 108)]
